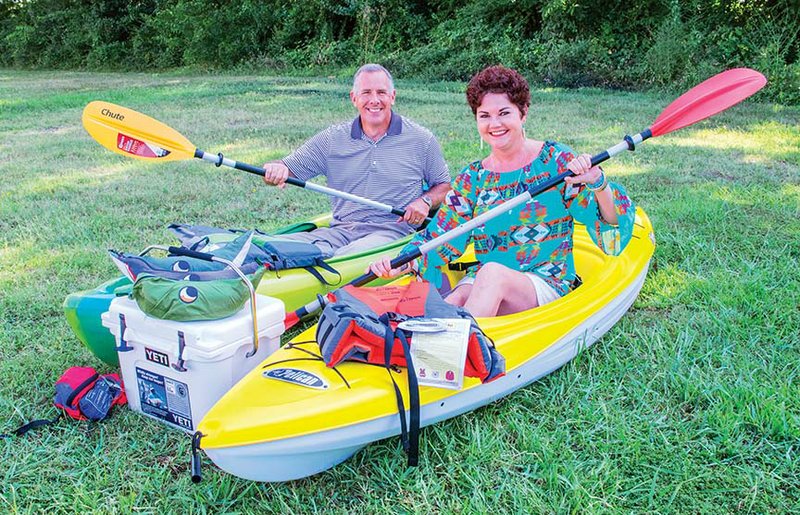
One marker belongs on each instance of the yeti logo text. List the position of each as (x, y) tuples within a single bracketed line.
[(111, 114), (156, 357)]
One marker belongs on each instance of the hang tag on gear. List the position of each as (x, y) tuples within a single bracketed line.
[(440, 358), (422, 325)]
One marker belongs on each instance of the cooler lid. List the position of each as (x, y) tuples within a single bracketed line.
[(205, 338)]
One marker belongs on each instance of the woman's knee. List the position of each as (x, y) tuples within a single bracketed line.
[(458, 296), (494, 272)]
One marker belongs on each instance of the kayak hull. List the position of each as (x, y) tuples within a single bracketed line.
[(268, 430), (295, 458), (294, 287)]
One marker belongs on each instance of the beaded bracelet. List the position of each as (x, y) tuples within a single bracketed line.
[(600, 185)]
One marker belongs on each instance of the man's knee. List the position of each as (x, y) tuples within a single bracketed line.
[(458, 296), (366, 243)]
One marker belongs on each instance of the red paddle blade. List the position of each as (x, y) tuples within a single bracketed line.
[(291, 320), (708, 98)]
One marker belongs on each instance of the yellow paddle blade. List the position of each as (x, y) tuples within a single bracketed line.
[(133, 134)]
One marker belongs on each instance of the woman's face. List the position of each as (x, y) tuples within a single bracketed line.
[(499, 121)]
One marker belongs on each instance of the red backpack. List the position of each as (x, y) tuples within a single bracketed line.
[(83, 394)]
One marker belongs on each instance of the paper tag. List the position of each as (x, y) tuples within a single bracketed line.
[(439, 358)]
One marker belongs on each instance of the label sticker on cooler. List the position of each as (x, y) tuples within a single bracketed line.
[(139, 147), (164, 398)]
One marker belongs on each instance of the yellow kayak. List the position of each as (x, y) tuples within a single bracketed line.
[(266, 429)]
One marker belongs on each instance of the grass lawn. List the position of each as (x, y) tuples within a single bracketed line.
[(691, 404)]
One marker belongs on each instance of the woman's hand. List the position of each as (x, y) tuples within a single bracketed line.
[(594, 179), (584, 172), (383, 268)]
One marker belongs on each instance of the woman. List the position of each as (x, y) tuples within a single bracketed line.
[(525, 255)]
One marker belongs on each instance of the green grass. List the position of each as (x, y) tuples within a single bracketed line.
[(691, 404)]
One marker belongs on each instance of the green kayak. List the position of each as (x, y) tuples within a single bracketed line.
[(294, 287)]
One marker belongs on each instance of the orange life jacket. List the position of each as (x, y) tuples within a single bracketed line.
[(354, 325)]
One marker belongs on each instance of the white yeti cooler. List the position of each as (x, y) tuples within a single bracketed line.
[(175, 371)]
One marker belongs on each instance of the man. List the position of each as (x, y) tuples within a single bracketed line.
[(380, 156)]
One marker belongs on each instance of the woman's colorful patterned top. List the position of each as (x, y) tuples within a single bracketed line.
[(535, 237)]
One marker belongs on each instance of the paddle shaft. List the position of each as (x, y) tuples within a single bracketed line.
[(706, 99), (219, 160), (628, 143)]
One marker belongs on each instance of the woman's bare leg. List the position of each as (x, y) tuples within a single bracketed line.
[(498, 290), (459, 295)]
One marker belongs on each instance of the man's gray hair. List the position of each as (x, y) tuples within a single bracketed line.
[(372, 67)]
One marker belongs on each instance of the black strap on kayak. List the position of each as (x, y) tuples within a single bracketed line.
[(461, 266), (33, 424), (409, 431), (325, 266)]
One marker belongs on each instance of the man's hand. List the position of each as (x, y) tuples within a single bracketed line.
[(276, 173), (416, 212)]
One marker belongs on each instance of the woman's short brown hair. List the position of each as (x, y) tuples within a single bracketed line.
[(499, 79)]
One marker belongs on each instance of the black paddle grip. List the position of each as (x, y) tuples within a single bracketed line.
[(541, 187), (260, 171), (182, 251), (395, 263)]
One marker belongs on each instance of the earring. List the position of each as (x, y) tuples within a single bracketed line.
[(523, 133), (481, 140)]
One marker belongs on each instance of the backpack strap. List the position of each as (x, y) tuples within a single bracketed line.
[(80, 390), (33, 424)]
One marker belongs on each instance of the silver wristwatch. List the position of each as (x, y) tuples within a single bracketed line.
[(427, 200)]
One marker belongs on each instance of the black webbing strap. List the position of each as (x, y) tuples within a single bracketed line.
[(33, 424), (409, 431), (461, 267), (401, 407), (325, 266), (413, 401), (80, 388)]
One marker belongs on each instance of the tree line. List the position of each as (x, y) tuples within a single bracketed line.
[(668, 44)]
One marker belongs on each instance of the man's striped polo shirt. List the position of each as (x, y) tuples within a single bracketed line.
[(394, 170)]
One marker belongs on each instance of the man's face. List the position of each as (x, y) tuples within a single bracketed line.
[(373, 96)]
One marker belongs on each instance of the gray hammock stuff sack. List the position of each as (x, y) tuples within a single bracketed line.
[(272, 251)]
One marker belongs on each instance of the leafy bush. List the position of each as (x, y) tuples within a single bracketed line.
[(616, 43)]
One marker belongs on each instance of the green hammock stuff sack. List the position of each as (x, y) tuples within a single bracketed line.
[(188, 300)]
